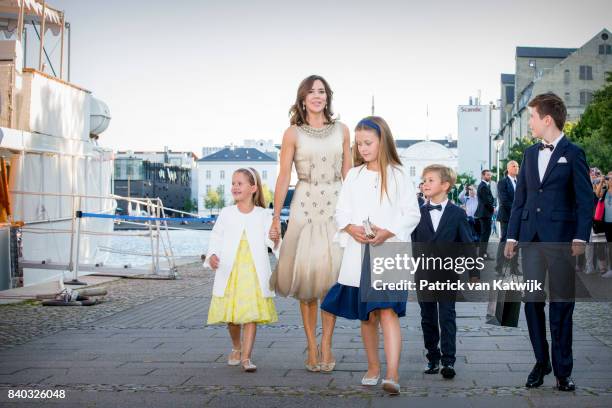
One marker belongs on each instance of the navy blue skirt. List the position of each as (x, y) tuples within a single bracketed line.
[(345, 301)]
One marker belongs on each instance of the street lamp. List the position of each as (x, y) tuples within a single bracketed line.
[(498, 145)]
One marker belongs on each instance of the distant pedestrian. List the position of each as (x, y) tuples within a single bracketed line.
[(238, 253), (484, 212), (505, 198)]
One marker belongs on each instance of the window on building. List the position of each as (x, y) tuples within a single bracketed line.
[(585, 97), (586, 72), (208, 174), (221, 190), (412, 171), (608, 49), (222, 174), (602, 49), (566, 76), (567, 98), (264, 174), (509, 94), (208, 187)]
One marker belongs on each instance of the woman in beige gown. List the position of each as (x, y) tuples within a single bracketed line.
[(309, 260)]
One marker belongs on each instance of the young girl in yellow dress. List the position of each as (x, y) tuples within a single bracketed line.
[(238, 253)]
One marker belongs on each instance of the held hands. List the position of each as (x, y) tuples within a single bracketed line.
[(358, 234), (381, 235), (274, 233)]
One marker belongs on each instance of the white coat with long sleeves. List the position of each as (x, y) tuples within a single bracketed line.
[(359, 200), (225, 239)]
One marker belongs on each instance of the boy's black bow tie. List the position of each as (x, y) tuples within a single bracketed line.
[(433, 207), (547, 146)]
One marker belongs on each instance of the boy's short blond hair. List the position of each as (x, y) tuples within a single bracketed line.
[(446, 174)]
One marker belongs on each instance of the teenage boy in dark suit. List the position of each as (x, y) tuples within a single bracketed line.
[(553, 208)]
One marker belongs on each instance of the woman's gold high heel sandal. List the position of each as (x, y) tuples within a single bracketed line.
[(326, 367), (313, 368)]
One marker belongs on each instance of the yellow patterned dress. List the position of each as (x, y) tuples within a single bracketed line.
[(242, 301)]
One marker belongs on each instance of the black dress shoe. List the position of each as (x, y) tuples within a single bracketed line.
[(565, 384), (448, 371), (432, 368), (536, 376)]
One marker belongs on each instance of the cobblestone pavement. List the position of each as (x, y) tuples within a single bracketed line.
[(146, 345)]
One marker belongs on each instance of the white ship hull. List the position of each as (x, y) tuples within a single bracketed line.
[(46, 180)]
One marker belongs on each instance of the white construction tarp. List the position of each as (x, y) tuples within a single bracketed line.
[(33, 8)]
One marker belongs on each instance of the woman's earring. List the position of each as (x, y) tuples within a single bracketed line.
[(303, 106)]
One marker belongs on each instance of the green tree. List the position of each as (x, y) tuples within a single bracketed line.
[(211, 200), (188, 205), (268, 195), (220, 197), (517, 151), (465, 178), (462, 179), (593, 132)]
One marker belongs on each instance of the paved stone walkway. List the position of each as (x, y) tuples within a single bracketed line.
[(147, 346)]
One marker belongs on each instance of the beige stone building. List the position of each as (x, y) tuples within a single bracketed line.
[(572, 73)]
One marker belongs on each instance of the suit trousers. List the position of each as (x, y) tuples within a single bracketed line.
[(538, 259), (485, 233), (438, 321)]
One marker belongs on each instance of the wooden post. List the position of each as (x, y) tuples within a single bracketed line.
[(20, 21), (42, 36), (62, 47)]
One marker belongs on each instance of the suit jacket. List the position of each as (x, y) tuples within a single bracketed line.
[(505, 196), (558, 208), (485, 201), (453, 227)]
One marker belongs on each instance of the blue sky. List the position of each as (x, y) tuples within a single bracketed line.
[(189, 74)]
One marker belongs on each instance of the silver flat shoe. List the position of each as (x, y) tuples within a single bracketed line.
[(391, 387), (233, 361), (248, 366), (370, 380)]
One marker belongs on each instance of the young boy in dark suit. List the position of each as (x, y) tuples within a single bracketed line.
[(441, 222)]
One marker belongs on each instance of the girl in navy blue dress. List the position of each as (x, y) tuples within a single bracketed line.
[(378, 190)]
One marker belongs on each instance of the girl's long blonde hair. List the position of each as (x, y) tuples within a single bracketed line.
[(253, 176), (387, 153)]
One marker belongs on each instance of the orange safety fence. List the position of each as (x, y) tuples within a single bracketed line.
[(5, 199)]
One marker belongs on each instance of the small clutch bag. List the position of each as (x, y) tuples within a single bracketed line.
[(367, 225)]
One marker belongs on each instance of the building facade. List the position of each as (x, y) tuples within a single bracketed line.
[(138, 178), (574, 74), (476, 125), (215, 171), (418, 154), (185, 160)]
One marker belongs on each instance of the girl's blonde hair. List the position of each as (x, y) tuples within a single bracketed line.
[(253, 176), (387, 154)]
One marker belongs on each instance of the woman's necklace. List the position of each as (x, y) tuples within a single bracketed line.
[(318, 132)]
